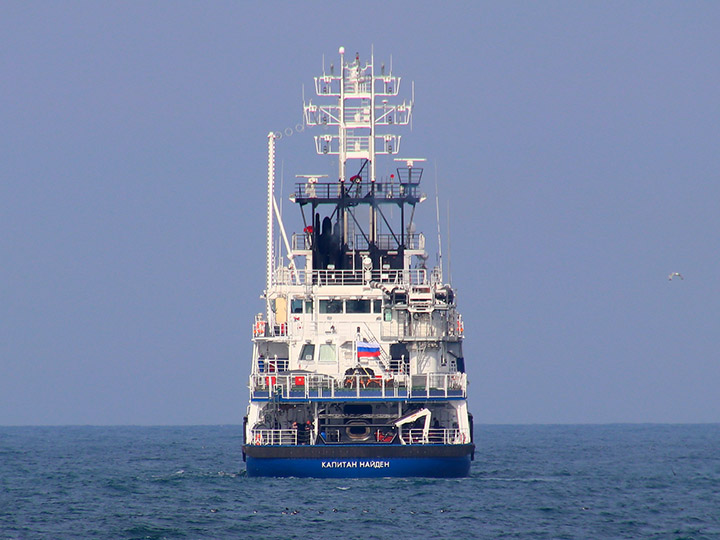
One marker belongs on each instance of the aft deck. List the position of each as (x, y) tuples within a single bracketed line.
[(303, 386)]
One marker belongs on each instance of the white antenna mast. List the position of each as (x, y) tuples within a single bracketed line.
[(437, 218), (270, 239), (448, 244)]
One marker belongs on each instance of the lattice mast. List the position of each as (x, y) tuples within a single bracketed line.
[(360, 105)]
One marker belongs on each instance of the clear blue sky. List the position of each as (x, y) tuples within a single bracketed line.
[(577, 144)]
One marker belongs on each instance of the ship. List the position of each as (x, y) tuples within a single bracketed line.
[(357, 366)]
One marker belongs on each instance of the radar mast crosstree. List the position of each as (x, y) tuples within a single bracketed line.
[(361, 104)]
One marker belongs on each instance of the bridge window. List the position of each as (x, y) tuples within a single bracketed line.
[(331, 306), (296, 305), (357, 306)]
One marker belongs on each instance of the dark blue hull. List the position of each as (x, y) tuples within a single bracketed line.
[(360, 468), (360, 461)]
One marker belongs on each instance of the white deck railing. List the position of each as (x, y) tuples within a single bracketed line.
[(289, 437), (304, 386), (274, 436), (435, 436), (394, 277), (423, 329)]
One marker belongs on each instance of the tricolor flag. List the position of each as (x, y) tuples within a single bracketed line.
[(368, 350)]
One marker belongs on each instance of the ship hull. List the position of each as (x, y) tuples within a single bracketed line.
[(359, 461)]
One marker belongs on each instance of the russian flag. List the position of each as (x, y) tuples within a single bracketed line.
[(368, 350)]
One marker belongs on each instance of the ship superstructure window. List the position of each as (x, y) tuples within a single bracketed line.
[(377, 306), (297, 304), (357, 306), (326, 354), (331, 306), (308, 352)]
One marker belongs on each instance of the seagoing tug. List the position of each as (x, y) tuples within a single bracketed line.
[(357, 367)]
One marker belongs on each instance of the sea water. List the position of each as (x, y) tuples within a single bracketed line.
[(615, 481)]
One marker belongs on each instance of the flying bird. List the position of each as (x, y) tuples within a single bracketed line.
[(675, 274)]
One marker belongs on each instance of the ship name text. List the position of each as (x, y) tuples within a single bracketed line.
[(355, 464)]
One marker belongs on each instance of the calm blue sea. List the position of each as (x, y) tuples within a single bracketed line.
[(617, 481)]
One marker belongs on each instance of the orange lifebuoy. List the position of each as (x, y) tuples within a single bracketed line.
[(259, 329)]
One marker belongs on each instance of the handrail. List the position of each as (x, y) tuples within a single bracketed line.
[(395, 276), (295, 386), (273, 437), (303, 241), (398, 329), (435, 436), (290, 437), (359, 190)]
